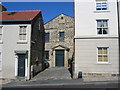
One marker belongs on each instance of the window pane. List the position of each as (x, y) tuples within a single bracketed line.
[(46, 37), (20, 37), (20, 30), (105, 51), (24, 30), (102, 26), (104, 3), (24, 37), (61, 36), (105, 58), (98, 4), (104, 8), (99, 58), (99, 23), (104, 31), (22, 33), (98, 9), (99, 50), (99, 30), (105, 24), (102, 54), (47, 55), (101, 5)]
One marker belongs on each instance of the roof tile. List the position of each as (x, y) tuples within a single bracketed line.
[(19, 15)]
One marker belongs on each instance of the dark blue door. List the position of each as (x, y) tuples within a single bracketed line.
[(21, 65), (59, 58)]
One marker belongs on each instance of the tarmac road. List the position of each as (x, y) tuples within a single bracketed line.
[(79, 83)]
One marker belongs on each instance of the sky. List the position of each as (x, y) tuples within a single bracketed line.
[(49, 9)]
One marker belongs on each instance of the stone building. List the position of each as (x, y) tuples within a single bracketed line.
[(59, 34)]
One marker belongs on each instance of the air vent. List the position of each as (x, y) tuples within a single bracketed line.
[(12, 13), (62, 18)]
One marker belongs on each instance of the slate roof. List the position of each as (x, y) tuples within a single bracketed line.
[(18, 15)]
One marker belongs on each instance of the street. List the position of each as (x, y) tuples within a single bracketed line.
[(78, 83)]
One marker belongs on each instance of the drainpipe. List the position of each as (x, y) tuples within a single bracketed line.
[(118, 2)]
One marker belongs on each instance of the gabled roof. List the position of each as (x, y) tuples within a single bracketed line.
[(2, 8), (19, 15), (58, 16)]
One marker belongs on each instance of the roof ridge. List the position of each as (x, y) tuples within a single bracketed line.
[(22, 11)]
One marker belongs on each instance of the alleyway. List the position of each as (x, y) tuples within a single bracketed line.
[(53, 74)]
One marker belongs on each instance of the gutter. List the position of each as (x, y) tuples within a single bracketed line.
[(118, 14), (118, 2), (15, 20)]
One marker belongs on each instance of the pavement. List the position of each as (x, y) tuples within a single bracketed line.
[(58, 76), (107, 78), (55, 73), (69, 83)]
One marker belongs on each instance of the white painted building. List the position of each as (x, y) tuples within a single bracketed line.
[(96, 38), (21, 43)]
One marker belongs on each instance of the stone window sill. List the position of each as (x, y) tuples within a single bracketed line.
[(102, 11), (103, 63), (22, 42)]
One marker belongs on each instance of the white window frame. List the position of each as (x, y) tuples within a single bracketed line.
[(1, 33), (102, 27), (26, 34), (103, 55), (101, 5)]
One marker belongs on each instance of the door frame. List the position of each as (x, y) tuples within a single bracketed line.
[(65, 58), (16, 62)]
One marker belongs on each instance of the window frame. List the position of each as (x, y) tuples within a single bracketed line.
[(100, 8), (48, 55), (102, 27), (48, 40), (103, 62), (26, 33), (61, 38)]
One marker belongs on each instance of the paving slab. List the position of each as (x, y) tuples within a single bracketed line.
[(56, 73), (108, 78)]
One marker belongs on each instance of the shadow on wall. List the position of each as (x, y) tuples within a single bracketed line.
[(71, 66), (46, 64)]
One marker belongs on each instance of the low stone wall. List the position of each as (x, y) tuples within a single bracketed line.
[(98, 74), (94, 75)]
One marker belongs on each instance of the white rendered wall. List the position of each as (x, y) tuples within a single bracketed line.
[(10, 45), (86, 56), (87, 40), (86, 15)]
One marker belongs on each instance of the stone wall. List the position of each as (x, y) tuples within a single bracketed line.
[(61, 23), (37, 46)]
